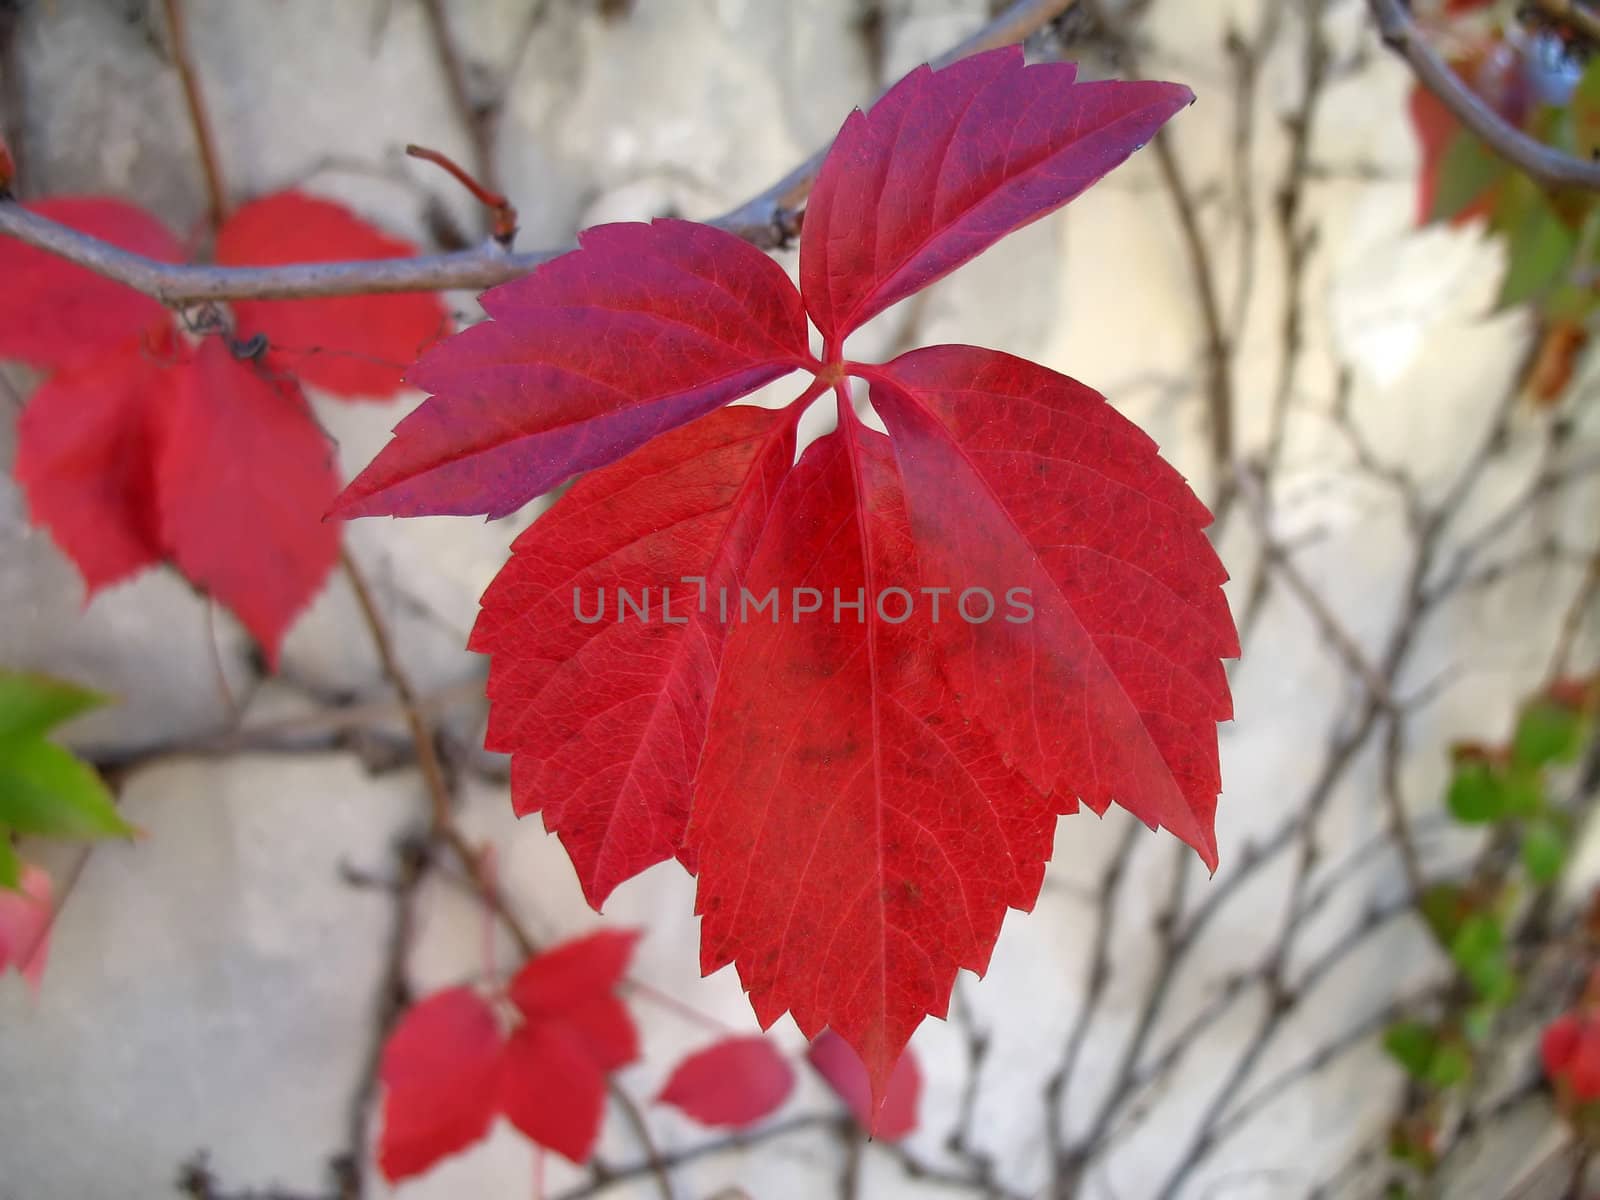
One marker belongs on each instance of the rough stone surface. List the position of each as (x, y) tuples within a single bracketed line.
[(212, 986)]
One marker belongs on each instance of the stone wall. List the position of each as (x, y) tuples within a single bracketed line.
[(214, 987)]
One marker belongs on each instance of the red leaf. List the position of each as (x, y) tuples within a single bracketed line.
[(871, 794), (1559, 1043), (856, 840), (948, 162), (574, 974), (56, 314), (641, 329), (448, 1069), (553, 1090), (606, 1031), (25, 917), (569, 988), (1112, 691), (1583, 1073), (350, 345), (604, 719), (441, 1072), (244, 476), (86, 447), (837, 1063), (732, 1084)]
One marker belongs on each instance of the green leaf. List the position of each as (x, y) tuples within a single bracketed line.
[(1467, 170), (1481, 792), (1539, 252), (1474, 796), (1479, 950), (1544, 852), (32, 704), (45, 790), (1451, 1065), (1411, 1044), (1572, 302), (1547, 733), (1478, 1022), (10, 864), (1521, 792)]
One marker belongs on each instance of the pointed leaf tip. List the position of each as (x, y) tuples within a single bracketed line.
[(920, 185), (885, 1106), (644, 328)]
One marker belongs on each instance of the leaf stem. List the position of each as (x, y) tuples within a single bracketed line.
[(503, 213)]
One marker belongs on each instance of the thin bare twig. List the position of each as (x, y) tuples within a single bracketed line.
[(1543, 163), (205, 143), (1213, 322), (768, 221), (1573, 13), (478, 118), (446, 830)]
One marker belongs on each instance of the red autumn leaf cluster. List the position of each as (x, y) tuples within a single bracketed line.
[(852, 693), (142, 447), (451, 1065)]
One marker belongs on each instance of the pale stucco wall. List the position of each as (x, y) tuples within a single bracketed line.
[(211, 986)]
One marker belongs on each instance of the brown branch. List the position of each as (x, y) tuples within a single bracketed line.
[(211, 164), (1542, 163), (1218, 349), (1572, 620), (767, 221), (432, 770), (1057, 1087), (1577, 15), (477, 118), (445, 829)]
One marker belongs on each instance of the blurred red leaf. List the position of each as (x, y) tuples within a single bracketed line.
[(449, 1068), (86, 451), (244, 475), (731, 1084), (1560, 1043), (832, 1058), (141, 449), (348, 345), (440, 1071), (566, 977), (553, 1089), (56, 314), (1570, 1051), (25, 917)]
